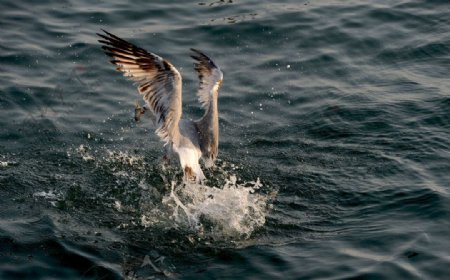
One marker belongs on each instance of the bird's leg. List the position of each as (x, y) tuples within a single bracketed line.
[(139, 111), (188, 174)]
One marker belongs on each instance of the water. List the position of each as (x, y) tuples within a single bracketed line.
[(334, 151)]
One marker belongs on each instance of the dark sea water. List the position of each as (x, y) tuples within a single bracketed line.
[(334, 157)]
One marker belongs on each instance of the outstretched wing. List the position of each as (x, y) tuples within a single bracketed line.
[(210, 81), (158, 81), (210, 77)]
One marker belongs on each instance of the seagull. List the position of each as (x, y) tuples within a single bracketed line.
[(159, 82)]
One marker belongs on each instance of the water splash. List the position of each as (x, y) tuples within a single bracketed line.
[(52, 196), (84, 152), (224, 208), (235, 210)]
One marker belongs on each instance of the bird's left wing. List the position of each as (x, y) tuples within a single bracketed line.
[(210, 77)]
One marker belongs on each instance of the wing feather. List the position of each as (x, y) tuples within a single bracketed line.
[(210, 77), (157, 79)]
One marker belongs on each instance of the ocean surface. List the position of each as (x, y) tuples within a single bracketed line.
[(334, 157)]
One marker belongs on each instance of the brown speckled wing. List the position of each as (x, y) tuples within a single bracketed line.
[(157, 79)]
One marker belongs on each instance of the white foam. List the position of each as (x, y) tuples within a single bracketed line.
[(124, 158), (52, 196), (7, 163), (235, 210), (84, 152)]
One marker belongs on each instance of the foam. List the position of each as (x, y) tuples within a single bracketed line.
[(52, 196), (84, 152), (234, 210)]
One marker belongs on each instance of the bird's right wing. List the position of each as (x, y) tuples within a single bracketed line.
[(158, 81)]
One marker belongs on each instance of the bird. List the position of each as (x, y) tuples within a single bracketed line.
[(160, 84)]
